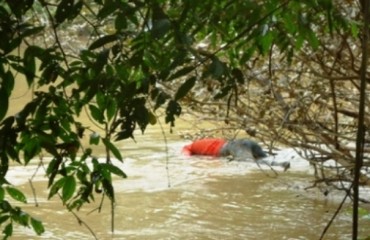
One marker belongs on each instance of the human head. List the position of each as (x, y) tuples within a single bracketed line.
[(243, 148)]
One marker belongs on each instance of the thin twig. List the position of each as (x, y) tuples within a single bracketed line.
[(334, 216), (31, 184), (166, 146), (81, 222)]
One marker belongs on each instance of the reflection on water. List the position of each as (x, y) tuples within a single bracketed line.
[(207, 199)]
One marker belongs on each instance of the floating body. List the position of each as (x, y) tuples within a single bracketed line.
[(240, 149)]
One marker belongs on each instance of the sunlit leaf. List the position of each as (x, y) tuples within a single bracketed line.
[(69, 188), (265, 42), (56, 186), (312, 39), (100, 100), (114, 169), (8, 229), (37, 226), (354, 29), (113, 149), (21, 217), (16, 194)]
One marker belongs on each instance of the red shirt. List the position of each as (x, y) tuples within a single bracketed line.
[(206, 146)]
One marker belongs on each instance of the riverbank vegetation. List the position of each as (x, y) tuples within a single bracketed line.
[(288, 73)]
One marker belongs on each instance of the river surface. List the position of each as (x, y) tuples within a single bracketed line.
[(171, 196)]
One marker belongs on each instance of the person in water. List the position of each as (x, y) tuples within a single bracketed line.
[(240, 149)]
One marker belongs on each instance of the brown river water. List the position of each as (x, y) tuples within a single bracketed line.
[(171, 196)]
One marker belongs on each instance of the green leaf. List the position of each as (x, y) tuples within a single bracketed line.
[(173, 108), (76, 10), (108, 189), (37, 226), (16, 194), (8, 82), (8, 230), (20, 217), (355, 30), (69, 188), (224, 91), (312, 39), (103, 40), (32, 31), (182, 72), (5, 206), (2, 194), (238, 75), (64, 10), (124, 134), (108, 8), (19, 7), (113, 169), (4, 99), (94, 138), (3, 219), (248, 53), (217, 68), (96, 113), (113, 149), (152, 118), (56, 186), (121, 21), (101, 61), (29, 64), (185, 88), (100, 100), (265, 42), (160, 27), (111, 108)]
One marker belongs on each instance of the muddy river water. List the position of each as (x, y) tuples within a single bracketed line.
[(171, 196)]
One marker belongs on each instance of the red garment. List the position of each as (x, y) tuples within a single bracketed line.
[(206, 146)]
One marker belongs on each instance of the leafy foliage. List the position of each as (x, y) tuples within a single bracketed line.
[(275, 63)]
